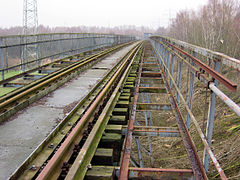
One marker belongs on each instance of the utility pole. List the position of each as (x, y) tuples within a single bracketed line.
[(30, 26)]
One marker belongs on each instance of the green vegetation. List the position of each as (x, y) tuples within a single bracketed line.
[(10, 74), (6, 90)]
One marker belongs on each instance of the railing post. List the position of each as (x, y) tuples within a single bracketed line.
[(210, 122), (51, 46), (23, 48), (38, 50), (172, 68), (168, 61), (190, 95), (2, 60), (61, 46), (179, 79)]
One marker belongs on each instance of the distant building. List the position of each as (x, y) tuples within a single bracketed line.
[(146, 35)]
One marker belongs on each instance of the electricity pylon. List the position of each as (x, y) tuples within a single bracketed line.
[(30, 26)]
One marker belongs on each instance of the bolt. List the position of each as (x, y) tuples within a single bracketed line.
[(69, 124), (89, 166), (51, 146), (33, 168), (62, 132)]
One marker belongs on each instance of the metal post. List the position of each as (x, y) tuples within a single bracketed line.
[(149, 138), (2, 60), (168, 61), (210, 122), (172, 68), (190, 95), (51, 46), (139, 152), (179, 79), (38, 51), (23, 40), (72, 47), (61, 46), (148, 120)]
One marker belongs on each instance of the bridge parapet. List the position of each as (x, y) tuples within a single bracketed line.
[(45, 47)]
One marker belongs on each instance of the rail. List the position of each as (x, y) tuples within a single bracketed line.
[(83, 128), (22, 97)]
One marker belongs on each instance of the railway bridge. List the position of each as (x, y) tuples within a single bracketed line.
[(99, 106)]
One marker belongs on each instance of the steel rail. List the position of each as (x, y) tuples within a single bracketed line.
[(53, 162), (123, 174), (43, 151), (230, 85), (79, 168), (14, 96), (198, 128), (19, 99)]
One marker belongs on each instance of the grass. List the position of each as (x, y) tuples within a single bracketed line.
[(10, 74), (5, 90)]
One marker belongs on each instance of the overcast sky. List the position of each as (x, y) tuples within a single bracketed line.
[(109, 13)]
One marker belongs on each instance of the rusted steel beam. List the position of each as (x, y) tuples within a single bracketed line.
[(152, 90), (159, 173), (123, 174), (230, 85), (141, 172), (153, 131), (151, 74), (153, 106), (149, 65)]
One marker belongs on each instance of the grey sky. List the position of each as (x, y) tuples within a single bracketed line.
[(151, 13)]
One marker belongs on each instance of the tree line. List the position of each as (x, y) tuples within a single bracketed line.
[(124, 30), (215, 26)]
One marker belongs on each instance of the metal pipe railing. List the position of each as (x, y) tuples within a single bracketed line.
[(171, 51)]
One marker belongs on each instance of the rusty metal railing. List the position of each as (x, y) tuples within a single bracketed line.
[(184, 63)]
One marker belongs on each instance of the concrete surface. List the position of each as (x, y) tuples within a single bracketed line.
[(21, 135)]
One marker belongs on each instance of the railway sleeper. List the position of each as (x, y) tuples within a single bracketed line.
[(112, 139), (37, 94)]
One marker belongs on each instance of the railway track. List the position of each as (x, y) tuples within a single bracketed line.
[(36, 83), (64, 141), (101, 137)]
